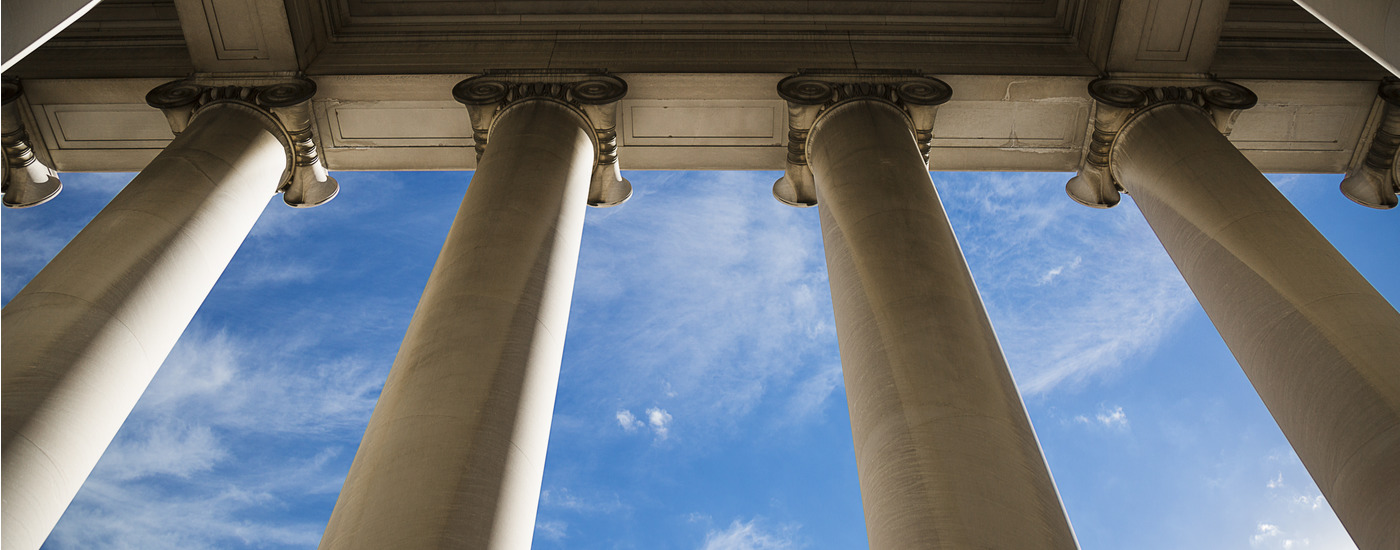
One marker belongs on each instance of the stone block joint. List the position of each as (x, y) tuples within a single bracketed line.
[(810, 94), (287, 108), (593, 94), (1119, 102)]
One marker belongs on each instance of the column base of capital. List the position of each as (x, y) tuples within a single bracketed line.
[(1372, 188), (31, 185), (608, 188)]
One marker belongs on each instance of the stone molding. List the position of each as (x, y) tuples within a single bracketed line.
[(27, 181), (1376, 182), (1119, 102), (287, 108), (593, 94), (809, 95)]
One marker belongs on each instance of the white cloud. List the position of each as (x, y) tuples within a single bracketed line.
[(1313, 502), (552, 530), (273, 271), (1114, 418), (246, 383), (628, 421), (723, 294), (810, 396), (656, 418), (1057, 270), (1306, 498), (165, 446), (1294, 515), (1265, 531), (31, 237), (153, 514), (561, 498), (1268, 535), (749, 536), (188, 449), (1102, 309), (660, 422)]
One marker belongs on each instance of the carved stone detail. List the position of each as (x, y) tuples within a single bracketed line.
[(288, 106), (1119, 102), (810, 94), (593, 94), (1376, 182), (27, 181)]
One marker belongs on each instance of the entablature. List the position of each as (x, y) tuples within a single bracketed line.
[(672, 121)]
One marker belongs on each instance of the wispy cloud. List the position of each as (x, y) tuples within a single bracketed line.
[(165, 446), (810, 395), (32, 236), (1294, 514), (183, 473), (1063, 315), (1268, 535), (562, 498), (1113, 418), (1050, 275), (707, 301), (750, 536), (552, 530)]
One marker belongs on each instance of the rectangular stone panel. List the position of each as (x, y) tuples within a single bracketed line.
[(107, 126), (1293, 127), (1055, 124), (397, 123), (235, 29), (1169, 30), (703, 122)]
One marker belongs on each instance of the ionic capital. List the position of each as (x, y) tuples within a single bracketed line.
[(1119, 103), (592, 94), (1376, 182), (810, 95), (287, 109), (27, 181)]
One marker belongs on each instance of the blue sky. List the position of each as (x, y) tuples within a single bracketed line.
[(700, 402)]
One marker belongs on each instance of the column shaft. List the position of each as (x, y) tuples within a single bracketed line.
[(1320, 345), (82, 340), (454, 453), (945, 451), (28, 24), (1373, 26)]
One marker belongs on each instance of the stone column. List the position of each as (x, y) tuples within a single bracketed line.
[(82, 340), (945, 451), (1373, 26), (454, 453), (1320, 345), (28, 24)]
